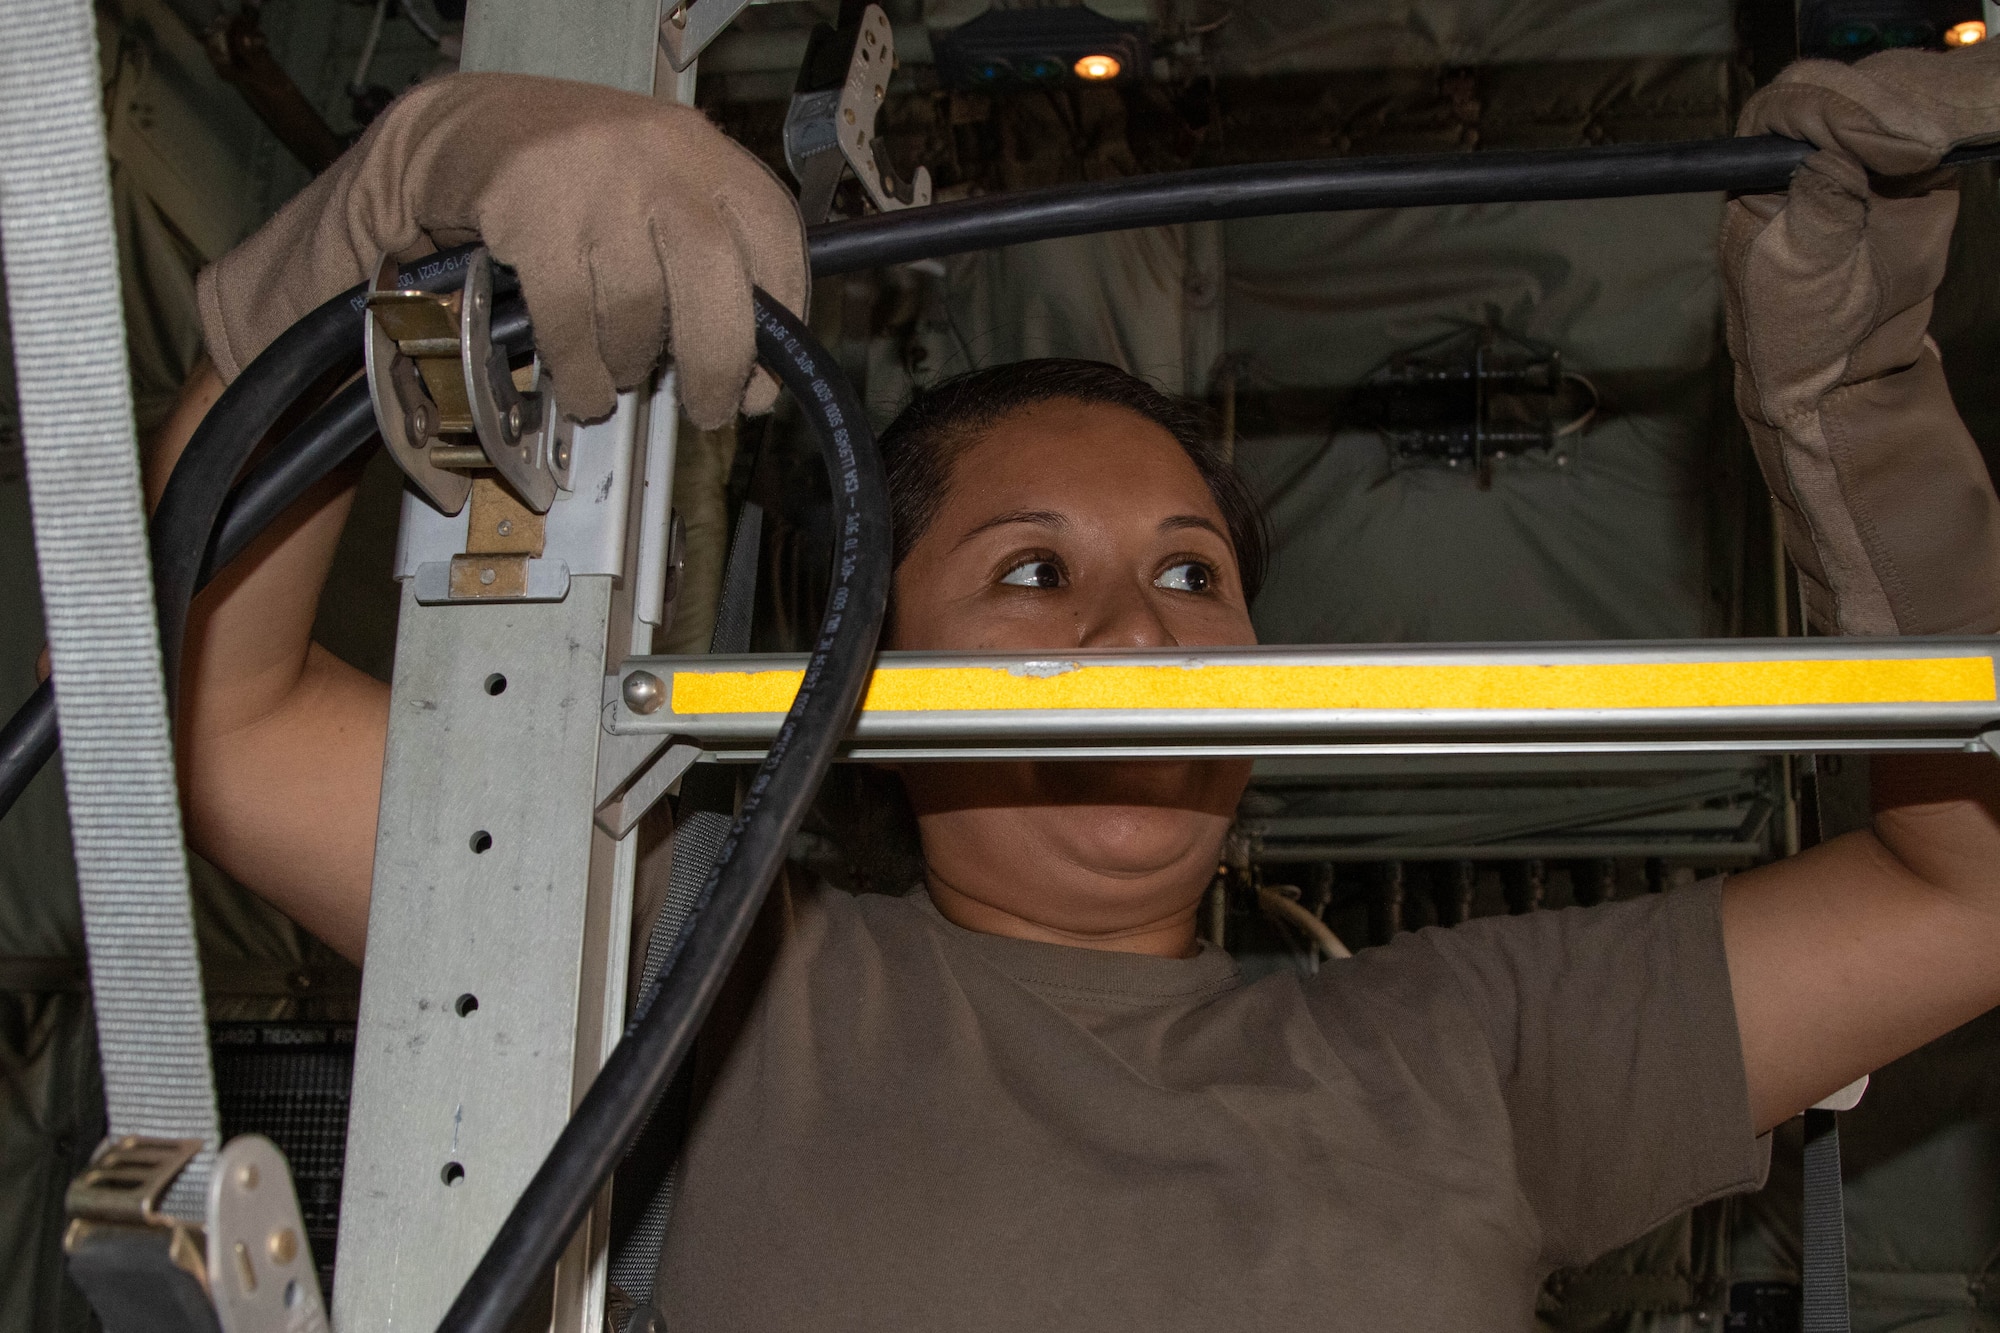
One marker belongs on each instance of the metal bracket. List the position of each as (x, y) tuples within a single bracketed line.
[(446, 402), (502, 562), (633, 773), (830, 130), (260, 1265), (691, 25), (635, 770)]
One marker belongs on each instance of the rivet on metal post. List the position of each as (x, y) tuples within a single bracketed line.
[(644, 692)]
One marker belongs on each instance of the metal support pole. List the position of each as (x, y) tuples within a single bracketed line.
[(500, 921)]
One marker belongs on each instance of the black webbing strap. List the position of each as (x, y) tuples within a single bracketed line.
[(707, 806), (1823, 1263), (136, 1284)]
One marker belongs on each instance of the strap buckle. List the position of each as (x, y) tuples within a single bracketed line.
[(127, 1179)]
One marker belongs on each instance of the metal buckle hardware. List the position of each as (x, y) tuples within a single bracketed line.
[(126, 1180), (446, 402), (261, 1265), (832, 129), (122, 1188)]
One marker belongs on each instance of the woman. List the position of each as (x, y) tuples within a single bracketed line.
[(1026, 1097)]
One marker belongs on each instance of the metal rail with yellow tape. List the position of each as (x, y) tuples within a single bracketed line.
[(1737, 695)]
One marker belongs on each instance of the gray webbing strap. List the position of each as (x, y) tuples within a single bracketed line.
[(97, 587), (1823, 1267), (707, 809)]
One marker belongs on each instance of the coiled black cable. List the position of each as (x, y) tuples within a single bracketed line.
[(668, 1016), (323, 346), (339, 430), (330, 336), (185, 532), (201, 524)]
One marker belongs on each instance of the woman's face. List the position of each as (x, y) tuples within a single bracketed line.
[(1073, 525)]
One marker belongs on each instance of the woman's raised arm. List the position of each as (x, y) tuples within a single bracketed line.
[(1867, 947), (629, 222), (279, 742)]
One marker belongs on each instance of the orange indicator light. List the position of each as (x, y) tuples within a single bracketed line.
[(1099, 68)]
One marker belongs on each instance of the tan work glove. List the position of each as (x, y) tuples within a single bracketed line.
[(632, 224), (1887, 510)]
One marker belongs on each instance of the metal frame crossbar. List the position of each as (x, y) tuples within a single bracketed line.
[(1737, 696)]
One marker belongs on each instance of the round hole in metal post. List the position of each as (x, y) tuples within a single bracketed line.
[(496, 684), (452, 1173), (481, 841), (465, 1004)]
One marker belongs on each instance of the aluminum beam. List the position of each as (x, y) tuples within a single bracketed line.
[(1737, 695), (490, 880), (593, 41), (464, 1067)]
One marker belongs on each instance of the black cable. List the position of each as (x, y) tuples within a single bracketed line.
[(184, 534), (667, 1017), (337, 432), (326, 344), (342, 428), (26, 743), (329, 336), (1755, 165)]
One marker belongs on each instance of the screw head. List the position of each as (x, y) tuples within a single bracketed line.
[(644, 692), (420, 421), (505, 527), (513, 419), (562, 453), (284, 1245), (486, 574)]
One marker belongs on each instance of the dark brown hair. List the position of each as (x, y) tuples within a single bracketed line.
[(924, 442)]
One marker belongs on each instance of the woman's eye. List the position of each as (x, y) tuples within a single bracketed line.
[(1188, 576), (1034, 574)]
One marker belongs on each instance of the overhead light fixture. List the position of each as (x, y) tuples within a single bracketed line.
[(1969, 33), (1046, 47)]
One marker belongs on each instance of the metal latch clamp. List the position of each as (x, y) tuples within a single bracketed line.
[(446, 402), (829, 130)]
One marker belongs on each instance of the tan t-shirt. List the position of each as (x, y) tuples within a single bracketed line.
[(917, 1127)]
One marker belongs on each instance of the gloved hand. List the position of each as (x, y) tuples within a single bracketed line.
[(633, 224), (1887, 510)]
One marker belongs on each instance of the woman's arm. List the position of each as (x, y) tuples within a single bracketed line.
[(1865, 948), (606, 204), (1860, 950), (279, 742)]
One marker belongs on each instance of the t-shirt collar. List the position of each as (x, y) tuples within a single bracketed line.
[(1076, 971)]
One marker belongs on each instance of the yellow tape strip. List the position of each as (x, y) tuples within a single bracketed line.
[(1612, 685)]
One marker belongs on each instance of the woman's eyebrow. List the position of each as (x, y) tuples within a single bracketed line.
[(1180, 522), (1047, 518)]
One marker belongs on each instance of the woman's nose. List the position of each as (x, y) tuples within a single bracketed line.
[(1124, 618)]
